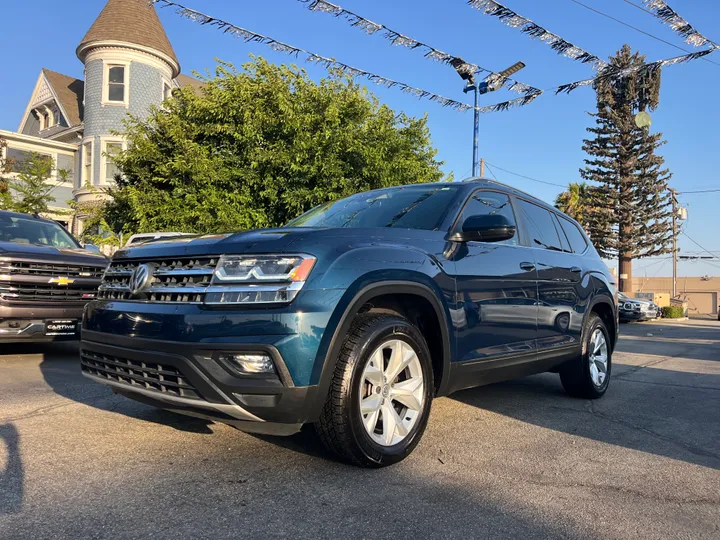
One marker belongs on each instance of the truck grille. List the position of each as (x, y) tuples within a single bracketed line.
[(52, 270), (146, 375), (48, 293), (173, 280)]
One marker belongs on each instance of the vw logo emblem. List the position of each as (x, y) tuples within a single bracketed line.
[(140, 278)]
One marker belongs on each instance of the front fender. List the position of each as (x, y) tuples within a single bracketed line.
[(362, 290)]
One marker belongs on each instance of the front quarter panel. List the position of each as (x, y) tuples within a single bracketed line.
[(420, 261)]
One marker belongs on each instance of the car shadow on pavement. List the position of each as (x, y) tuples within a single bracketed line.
[(60, 367), (12, 472), (662, 412)]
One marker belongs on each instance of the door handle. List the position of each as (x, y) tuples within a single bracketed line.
[(527, 266), (576, 270)]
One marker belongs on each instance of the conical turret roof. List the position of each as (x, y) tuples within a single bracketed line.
[(129, 21)]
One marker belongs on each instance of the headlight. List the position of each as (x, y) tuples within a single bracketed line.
[(258, 279), (262, 269)]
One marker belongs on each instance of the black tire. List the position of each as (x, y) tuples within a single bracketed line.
[(340, 425), (575, 375)]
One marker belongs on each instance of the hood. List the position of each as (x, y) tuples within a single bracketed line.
[(51, 254), (314, 241), (259, 241)]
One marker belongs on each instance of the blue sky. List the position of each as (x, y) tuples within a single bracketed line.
[(541, 140)]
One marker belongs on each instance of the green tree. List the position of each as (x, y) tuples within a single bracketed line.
[(580, 203), (257, 147), (574, 202), (632, 194), (27, 186), (96, 229), (5, 199)]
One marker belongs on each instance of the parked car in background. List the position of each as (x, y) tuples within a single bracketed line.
[(148, 237), (46, 278), (637, 309), (355, 315)]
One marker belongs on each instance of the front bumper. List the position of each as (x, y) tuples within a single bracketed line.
[(187, 378), (20, 324)]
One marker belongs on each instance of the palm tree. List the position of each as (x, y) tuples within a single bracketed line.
[(575, 201)]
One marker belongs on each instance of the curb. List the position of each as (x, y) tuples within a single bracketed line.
[(681, 319)]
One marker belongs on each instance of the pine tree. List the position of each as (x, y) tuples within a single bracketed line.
[(632, 217)]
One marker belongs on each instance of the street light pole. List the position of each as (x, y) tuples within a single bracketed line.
[(490, 84), (476, 127)]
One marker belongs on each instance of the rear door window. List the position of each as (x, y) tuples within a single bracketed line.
[(577, 240), (541, 229), (563, 239)]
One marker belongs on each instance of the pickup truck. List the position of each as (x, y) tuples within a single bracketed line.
[(46, 278)]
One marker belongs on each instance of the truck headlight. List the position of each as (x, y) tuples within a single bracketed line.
[(258, 279)]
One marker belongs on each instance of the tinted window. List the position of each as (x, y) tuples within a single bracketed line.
[(541, 229), (407, 207), (575, 236), (490, 203), (563, 239)]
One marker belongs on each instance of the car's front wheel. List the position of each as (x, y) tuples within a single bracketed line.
[(379, 400)]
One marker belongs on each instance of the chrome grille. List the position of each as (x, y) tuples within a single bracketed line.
[(25, 292), (54, 270), (173, 280), (149, 376)]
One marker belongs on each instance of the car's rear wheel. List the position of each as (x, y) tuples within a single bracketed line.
[(380, 396), (589, 376)]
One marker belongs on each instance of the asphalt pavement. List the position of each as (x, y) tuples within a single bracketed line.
[(511, 460)]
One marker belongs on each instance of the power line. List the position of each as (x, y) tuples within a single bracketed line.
[(619, 21), (684, 28), (491, 172), (699, 191), (698, 245), (510, 18), (526, 177)]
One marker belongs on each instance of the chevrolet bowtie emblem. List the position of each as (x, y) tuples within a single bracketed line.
[(61, 280)]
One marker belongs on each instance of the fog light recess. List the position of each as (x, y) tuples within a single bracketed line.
[(249, 362)]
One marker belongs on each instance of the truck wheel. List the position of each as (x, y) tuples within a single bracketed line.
[(589, 376), (379, 399)]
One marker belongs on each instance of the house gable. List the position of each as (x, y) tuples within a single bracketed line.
[(55, 94)]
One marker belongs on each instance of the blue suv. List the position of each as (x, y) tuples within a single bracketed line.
[(355, 315)]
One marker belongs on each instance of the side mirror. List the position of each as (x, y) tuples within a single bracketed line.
[(485, 228), (91, 247)]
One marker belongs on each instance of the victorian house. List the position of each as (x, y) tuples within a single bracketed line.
[(130, 65)]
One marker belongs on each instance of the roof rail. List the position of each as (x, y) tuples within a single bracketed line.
[(497, 182)]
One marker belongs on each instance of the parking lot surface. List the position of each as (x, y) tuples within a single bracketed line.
[(511, 460)]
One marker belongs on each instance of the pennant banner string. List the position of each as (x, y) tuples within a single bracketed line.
[(465, 69), (508, 17), (252, 37), (680, 26), (609, 72)]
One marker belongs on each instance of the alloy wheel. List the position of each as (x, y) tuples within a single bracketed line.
[(392, 392), (598, 357)]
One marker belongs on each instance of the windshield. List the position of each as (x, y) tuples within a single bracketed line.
[(407, 207), (20, 230)]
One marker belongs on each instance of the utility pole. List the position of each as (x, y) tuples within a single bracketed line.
[(673, 200), (482, 167)]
